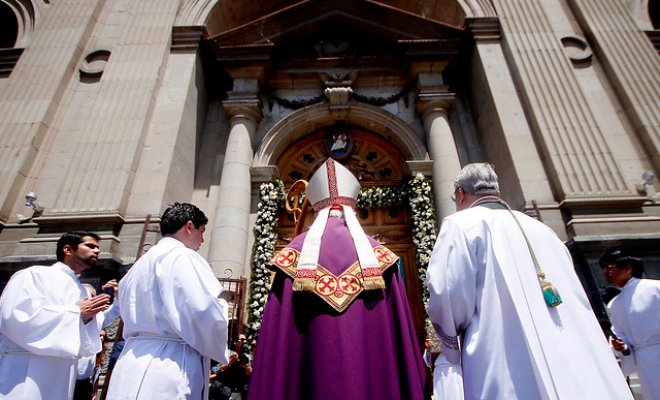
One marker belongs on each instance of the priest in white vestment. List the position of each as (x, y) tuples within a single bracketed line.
[(635, 315), (173, 319), (513, 338), (48, 322)]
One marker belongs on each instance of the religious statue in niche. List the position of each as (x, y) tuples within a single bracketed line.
[(340, 143)]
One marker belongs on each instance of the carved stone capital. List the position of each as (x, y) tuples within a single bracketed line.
[(243, 105), (425, 167), (434, 100), (263, 174)]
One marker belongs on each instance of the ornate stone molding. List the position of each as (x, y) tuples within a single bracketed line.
[(425, 167), (436, 99), (87, 217), (577, 201), (485, 29), (186, 38), (264, 174), (339, 98), (314, 117), (243, 105)]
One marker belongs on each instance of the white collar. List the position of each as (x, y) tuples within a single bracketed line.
[(65, 268), (630, 282), (484, 199)]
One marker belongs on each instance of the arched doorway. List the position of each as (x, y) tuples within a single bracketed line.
[(376, 162)]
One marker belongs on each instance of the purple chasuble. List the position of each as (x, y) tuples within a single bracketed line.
[(308, 351)]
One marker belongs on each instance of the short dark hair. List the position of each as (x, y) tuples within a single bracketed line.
[(72, 239), (622, 259), (177, 215)]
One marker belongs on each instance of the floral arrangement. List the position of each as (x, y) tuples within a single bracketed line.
[(417, 192), (271, 197), (420, 195)]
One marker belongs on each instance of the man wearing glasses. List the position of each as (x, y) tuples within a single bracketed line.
[(508, 307)]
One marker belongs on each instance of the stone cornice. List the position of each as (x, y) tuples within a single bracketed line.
[(264, 174), (187, 38), (654, 37), (72, 218), (54, 239), (484, 28), (576, 202), (8, 60), (425, 167)]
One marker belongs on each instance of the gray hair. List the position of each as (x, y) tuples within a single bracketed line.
[(478, 179)]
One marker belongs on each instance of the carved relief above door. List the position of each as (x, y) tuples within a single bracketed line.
[(369, 156)]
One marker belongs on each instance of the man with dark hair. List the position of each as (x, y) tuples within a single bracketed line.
[(48, 321), (635, 318), (174, 320), (495, 279), (178, 215)]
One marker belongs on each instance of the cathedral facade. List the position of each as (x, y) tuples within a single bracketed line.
[(110, 110)]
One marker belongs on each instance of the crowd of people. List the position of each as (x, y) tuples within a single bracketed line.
[(511, 316)]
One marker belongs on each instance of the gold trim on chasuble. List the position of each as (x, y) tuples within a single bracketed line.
[(338, 291)]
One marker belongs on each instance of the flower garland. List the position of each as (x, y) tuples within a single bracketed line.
[(424, 232), (271, 197), (418, 193)]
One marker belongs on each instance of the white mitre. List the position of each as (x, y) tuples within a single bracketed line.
[(334, 185)]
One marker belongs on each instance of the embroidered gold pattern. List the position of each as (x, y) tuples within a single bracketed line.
[(338, 291)]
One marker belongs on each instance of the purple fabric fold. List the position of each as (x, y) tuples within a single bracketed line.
[(306, 350)]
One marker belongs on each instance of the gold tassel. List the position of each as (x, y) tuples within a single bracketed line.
[(373, 283), (304, 284)]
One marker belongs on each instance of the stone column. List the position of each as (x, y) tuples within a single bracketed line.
[(229, 240), (433, 107)]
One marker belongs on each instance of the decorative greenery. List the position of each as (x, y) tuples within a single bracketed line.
[(271, 197), (418, 194), (294, 104), (381, 196), (381, 101), (297, 104)]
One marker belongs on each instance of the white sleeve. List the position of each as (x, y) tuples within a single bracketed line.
[(451, 281), (447, 380), (619, 325), (111, 313), (190, 298), (33, 319)]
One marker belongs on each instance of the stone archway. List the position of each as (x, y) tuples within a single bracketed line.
[(312, 118)]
